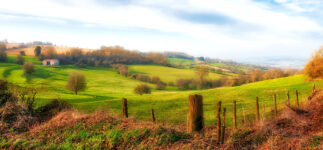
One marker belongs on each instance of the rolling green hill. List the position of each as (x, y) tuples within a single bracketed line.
[(168, 74), (105, 89)]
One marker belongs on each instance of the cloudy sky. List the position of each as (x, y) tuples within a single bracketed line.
[(229, 29)]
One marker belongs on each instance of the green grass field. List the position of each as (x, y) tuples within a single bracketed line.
[(105, 88), (180, 61), (168, 74)]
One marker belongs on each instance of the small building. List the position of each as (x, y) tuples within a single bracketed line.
[(50, 62)]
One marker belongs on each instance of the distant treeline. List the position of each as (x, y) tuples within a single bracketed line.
[(200, 81), (104, 57)]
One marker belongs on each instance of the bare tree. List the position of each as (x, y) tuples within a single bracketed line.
[(76, 82)]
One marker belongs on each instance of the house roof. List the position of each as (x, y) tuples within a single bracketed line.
[(50, 59)]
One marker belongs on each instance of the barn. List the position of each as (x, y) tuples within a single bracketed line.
[(50, 62)]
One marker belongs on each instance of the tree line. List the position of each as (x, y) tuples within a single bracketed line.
[(105, 56), (201, 82)]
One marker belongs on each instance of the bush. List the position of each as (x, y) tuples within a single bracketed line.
[(183, 84), (155, 79), (171, 84), (123, 70), (142, 77), (28, 67), (76, 82), (142, 89), (20, 60), (314, 68), (160, 85), (5, 95), (3, 56)]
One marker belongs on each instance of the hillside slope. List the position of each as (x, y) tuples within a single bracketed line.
[(295, 128), (106, 88)]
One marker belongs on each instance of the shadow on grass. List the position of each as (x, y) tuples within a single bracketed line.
[(8, 71), (88, 99)]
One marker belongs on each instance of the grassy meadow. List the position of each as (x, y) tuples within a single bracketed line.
[(168, 74), (105, 88)]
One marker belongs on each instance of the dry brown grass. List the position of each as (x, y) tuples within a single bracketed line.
[(30, 50)]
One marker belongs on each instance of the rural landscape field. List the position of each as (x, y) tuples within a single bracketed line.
[(168, 75)]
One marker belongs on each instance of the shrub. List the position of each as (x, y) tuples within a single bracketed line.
[(314, 68), (3, 56), (160, 85), (28, 67), (142, 89), (142, 77), (5, 95), (20, 60), (123, 70), (76, 82), (183, 84), (155, 79)]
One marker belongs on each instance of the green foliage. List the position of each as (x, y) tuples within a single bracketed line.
[(114, 137), (3, 56), (107, 87), (37, 51)]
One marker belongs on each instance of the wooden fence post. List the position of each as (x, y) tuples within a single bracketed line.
[(296, 94), (196, 122), (124, 108), (234, 115), (288, 99), (218, 125), (223, 126), (257, 107), (153, 115), (275, 103)]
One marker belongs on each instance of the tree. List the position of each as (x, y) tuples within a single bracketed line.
[(142, 89), (20, 60), (28, 67), (76, 82), (157, 58), (37, 51), (50, 52), (314, 68), (22, 53), (201, 73), (3, 47), (255, 75), (5, 95), (183, 83), (3, 56)]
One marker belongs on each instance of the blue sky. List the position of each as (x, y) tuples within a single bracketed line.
[(228, 29)]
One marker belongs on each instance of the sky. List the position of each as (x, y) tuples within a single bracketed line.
[(227, 29)]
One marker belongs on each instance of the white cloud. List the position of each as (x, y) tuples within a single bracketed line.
[(277, 30)]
